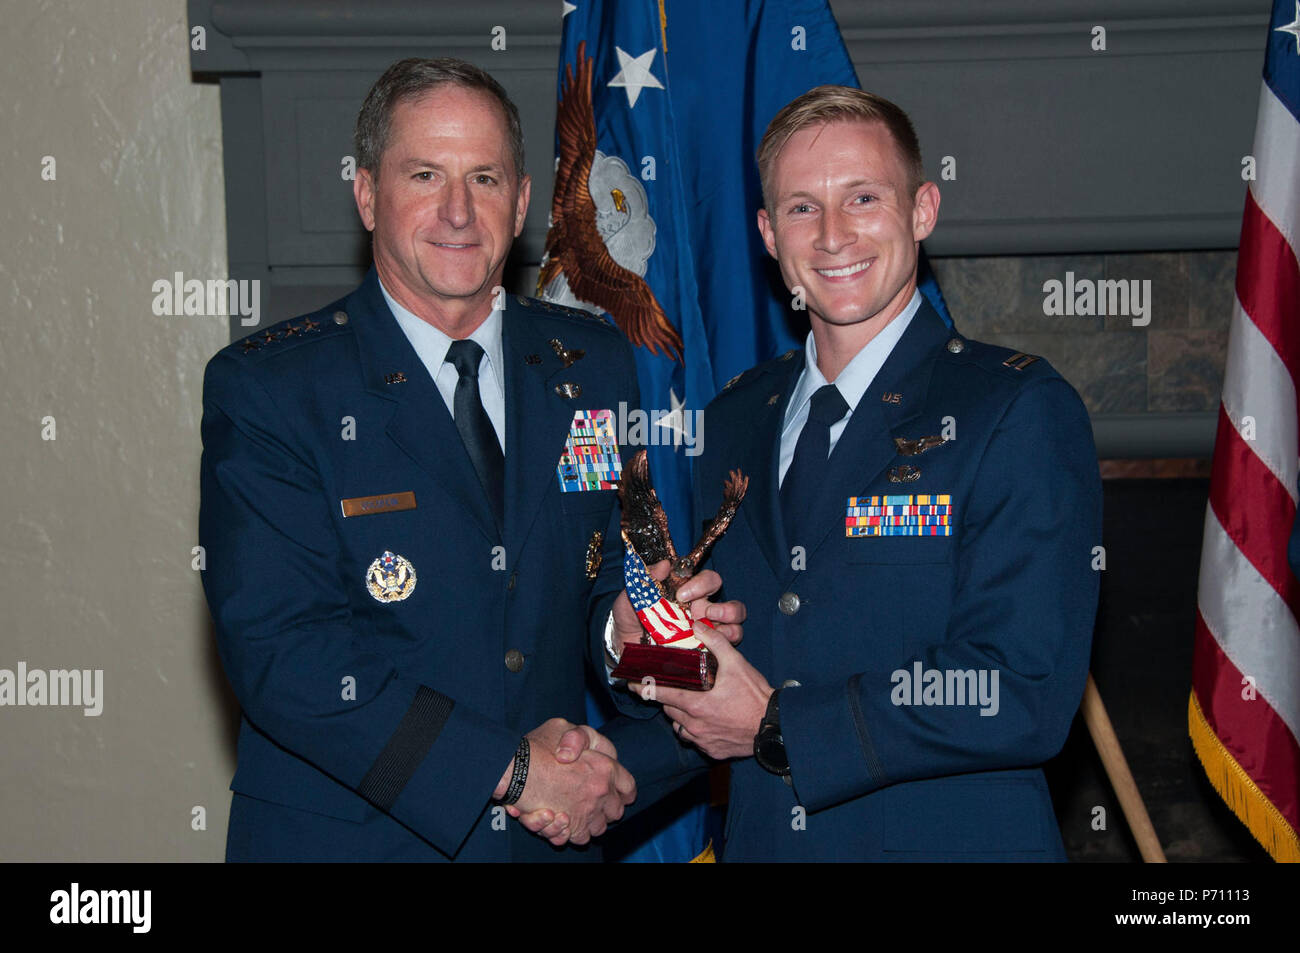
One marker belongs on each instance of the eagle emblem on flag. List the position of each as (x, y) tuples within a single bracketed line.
[(601, 234)]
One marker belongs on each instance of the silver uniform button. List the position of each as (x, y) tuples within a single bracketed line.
[(956, 345), (515, 660), (340, 317), (788, 603), (791, 683)]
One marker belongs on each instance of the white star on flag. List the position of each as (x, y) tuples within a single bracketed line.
[(567, 9), (1293, 27), (674, 421), (634, 73)]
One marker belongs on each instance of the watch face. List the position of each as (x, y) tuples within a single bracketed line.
[(769, 750)]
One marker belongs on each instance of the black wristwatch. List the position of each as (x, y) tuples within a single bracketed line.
[(769, 748)]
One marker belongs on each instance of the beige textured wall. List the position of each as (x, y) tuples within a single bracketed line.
[(98, 523)]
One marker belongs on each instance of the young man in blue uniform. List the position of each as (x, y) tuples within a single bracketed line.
[(399, 563), (916, 547)]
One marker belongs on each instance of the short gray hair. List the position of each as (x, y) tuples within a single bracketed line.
[(409, 79)]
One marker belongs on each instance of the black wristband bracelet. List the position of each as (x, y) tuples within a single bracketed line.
[(519, 776)]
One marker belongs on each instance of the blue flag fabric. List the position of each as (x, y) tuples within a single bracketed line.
[(662, 105)]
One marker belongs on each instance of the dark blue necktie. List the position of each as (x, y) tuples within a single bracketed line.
[(475, 428), (807, 470)]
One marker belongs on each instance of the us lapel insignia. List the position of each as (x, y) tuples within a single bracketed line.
[(912, 448), (390, 578), (904, 474), (532, 359), (569, 389), (397, 377), (594, 554), (771, 401), (566, 355)]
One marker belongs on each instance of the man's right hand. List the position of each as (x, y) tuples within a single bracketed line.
[(696, 594), (575, 785)]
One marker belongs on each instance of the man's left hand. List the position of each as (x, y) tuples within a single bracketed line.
[(696, 594), (723, 721)]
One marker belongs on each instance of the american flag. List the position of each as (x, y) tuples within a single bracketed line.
[(1244, 711), (665, 621)]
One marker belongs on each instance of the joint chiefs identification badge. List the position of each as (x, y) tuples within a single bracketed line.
[(390, 578)]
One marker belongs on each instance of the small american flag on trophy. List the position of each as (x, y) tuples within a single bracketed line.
[(663, 620)]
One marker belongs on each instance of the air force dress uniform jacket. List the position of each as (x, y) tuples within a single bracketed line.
[(388, 662), (970, 557)]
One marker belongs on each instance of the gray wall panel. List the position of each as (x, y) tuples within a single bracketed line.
[(1059, 149)]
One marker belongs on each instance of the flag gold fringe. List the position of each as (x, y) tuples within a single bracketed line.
[(1239, 791), (706, 856)]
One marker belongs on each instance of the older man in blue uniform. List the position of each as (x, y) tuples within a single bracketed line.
[(916, 547), (407, 504)]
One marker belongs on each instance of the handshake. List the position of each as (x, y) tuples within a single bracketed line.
[(575, 786)]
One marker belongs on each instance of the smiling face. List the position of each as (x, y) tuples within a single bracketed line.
[(445, 206), (843, 224)]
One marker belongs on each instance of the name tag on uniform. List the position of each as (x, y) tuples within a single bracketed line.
[(383, 503), (927, 514), (590, 459)]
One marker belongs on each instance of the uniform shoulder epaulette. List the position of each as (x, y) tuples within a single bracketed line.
[(563, 311), (306, 327), (758, 369), (998, 359)]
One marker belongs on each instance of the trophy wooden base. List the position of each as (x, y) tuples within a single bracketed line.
[(691, 669)]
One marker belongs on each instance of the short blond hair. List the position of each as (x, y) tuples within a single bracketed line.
[(827, 104)]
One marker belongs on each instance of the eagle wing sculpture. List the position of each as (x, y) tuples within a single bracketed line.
[(574, 246), (645, 525)]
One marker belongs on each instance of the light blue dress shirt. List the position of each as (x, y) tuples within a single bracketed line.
[(852, 382), (431, 345)]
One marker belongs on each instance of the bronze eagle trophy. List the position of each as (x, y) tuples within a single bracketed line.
[(668, 654)]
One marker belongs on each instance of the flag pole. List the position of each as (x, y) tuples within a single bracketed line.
[(1121, 778)]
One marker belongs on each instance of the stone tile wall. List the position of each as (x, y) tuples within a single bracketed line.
[(1174, 364)]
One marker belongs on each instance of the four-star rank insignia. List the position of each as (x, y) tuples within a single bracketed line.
[(260, 340), (390, 578)]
